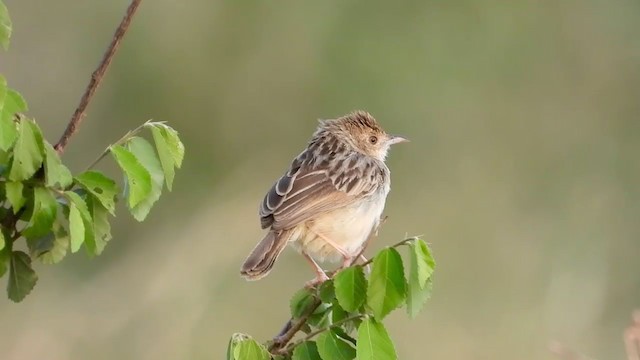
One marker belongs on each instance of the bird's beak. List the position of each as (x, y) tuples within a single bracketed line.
[(396, 139)]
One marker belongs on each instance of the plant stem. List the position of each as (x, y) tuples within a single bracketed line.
[(326, 328), (279, 342), (96, 77), (396, 245), (120, 141)]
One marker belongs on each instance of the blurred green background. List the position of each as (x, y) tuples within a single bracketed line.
[(523, 171)]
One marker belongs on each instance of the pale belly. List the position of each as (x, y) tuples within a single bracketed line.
[(347, 228)]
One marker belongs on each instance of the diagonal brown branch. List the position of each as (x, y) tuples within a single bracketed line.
[(96, 77)]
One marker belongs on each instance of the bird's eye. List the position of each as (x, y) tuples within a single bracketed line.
[(373, 139)]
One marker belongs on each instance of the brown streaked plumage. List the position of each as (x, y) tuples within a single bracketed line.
[(331, 198)]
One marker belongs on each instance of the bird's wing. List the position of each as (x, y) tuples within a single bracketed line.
[(306, 191)]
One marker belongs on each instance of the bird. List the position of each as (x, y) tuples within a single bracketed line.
[(331, 198)]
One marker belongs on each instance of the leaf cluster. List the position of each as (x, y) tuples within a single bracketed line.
[(55, 211), (342, 319)]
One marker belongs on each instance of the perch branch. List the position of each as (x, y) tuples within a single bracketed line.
[(292, 326), (96, 77)]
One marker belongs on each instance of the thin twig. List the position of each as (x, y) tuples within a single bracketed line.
[(120, 141), (326, 328), (403, 242), (96, 77)]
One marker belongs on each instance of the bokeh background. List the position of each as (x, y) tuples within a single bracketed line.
[(523, 171)]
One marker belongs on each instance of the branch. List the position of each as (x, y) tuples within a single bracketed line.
[(96, 78), (326, 328), (281, 343), (290, 329)]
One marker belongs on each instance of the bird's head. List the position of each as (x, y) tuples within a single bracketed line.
[(361, 131)]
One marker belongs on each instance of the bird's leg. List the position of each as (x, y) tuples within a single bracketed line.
[(330, 242), (321, 276)]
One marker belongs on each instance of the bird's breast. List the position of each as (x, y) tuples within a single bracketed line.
[(347, 228)]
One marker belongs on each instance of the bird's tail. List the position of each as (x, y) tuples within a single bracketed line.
[(264, 255)]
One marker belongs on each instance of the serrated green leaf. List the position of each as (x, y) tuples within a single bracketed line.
[(145, 154), (5, 256), (101, 226), (306, 351), (424, 262), (15, 102), (331, 347), (374, 342), (101, 187), (27, 152), (417, 297), (76, 228), (55, 172), (5, 26), (351, 288), (249, 349), (80, 223), (422, 266), (14, 195), (22, 278), (43, 215), (387, 285), (8, 131), (327, 292), (300, 302), (175, 146), (337, 312), (166, 158), (138, 178), (51, 248)]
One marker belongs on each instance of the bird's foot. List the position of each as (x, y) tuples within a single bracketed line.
[(319, 279)]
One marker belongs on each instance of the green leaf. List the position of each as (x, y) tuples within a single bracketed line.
[(417, 297), (138, 177), (80, 223), (8, 132), (374, 342), (27, 152), (337, 312), (423, 260), (5, 26), (306, 351), (101, 187), (174, 145), (331, 347), (387, 285), (351, 288), (15, 103), (321, 316), (327, 292), (164, 153), (55, 172), (22, 278), (249, 349), (145, 154), (1, 244), (5, 256), (53, 247), (300, 302), (422, 266), (14, 195), (43, 215), (101, 226)]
